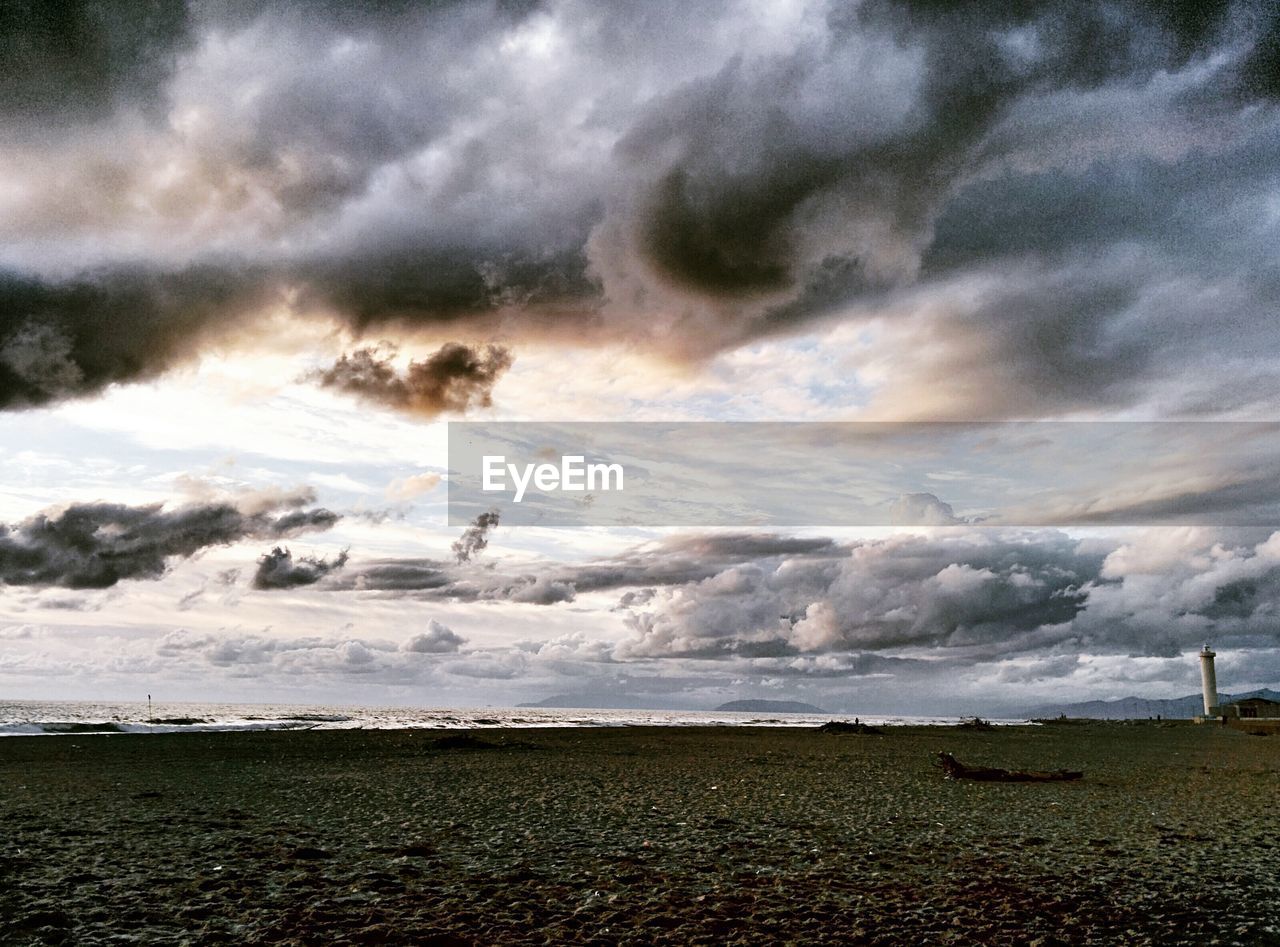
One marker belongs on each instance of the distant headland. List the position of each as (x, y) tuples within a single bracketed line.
[(614, 702), (769, 707)]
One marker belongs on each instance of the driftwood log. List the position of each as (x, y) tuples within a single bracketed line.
[(954, 769), (840, 726)]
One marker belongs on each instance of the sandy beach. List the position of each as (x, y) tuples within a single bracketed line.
[(640, 835)]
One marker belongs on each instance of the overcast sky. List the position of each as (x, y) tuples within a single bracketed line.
[(255, 256)]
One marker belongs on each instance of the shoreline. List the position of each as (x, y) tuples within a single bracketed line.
[(53, 718), (165, 728)]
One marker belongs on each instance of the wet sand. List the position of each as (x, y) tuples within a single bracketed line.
[(640, 835)]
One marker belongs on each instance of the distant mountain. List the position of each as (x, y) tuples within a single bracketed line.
[(608, 701), (591, 702), (1139, 708), (770, 707)]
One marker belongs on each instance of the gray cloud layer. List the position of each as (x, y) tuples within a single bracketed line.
[(957, 617), (96, 545), (437, 639), (963, 595), (1053, 195), (896, 594)]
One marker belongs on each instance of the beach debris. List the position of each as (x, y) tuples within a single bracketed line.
[(842, 726), (953, 769), (974, 723)]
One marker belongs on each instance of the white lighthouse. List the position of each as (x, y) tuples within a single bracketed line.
[(1209, 682)]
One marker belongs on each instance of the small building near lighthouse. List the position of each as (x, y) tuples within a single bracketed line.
[(1253, 708)]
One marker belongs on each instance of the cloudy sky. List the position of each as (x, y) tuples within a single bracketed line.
[(254, 257)]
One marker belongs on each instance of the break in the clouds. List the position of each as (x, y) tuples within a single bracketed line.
[(96, 545), (1054, 195)]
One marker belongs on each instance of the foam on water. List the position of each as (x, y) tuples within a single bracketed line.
[(82, 718)]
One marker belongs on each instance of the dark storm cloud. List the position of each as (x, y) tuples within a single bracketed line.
[(1257, 74), (759, 171), (96, 545), (63, 339), (278, 569), (78, 60), (455, 378), (475, 538), (402, 284), (592, 171)]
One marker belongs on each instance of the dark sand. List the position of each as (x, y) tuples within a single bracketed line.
[(698, 836)]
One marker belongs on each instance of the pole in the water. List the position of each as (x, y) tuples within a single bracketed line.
[(149, 719)]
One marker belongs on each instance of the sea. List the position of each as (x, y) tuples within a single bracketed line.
[(82, 718)]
